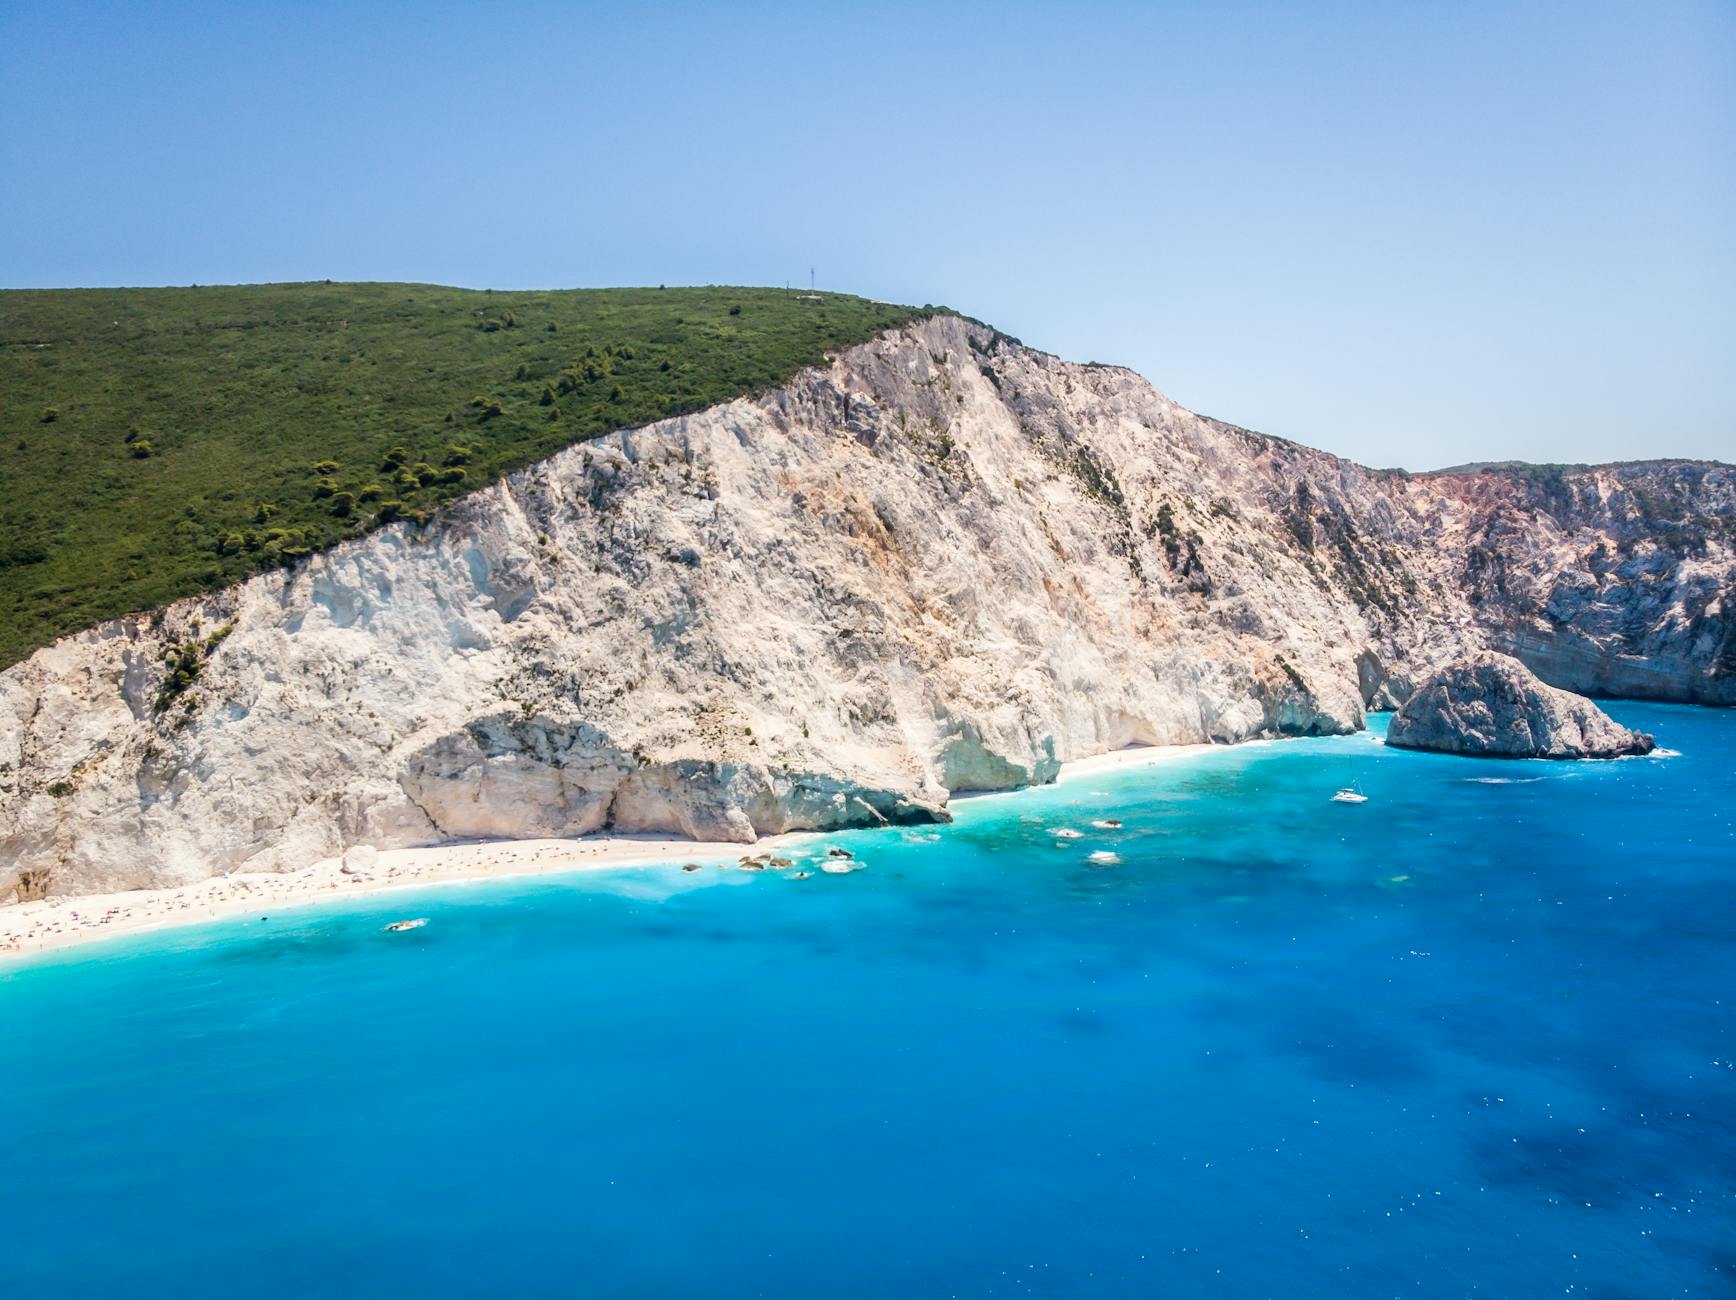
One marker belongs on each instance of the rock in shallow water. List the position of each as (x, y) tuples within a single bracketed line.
[(1492, 705)]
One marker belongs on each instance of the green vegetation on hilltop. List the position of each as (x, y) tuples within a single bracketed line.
[(1527, 469), (159, 442)]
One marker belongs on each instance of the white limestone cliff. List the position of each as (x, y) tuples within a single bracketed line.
[(944, 562)]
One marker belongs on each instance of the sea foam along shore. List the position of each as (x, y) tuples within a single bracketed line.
[(59, 922)]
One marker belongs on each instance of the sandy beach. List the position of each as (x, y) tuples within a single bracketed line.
[(1117, 760), (1098, 765), (62, 921)]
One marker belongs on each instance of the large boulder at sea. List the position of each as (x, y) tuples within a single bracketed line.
[(1492, 705)]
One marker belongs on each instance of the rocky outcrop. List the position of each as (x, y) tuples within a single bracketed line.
[(943, 562), (1492, 706)]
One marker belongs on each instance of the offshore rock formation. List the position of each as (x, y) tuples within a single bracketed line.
[(944, 562), (1493, 706)]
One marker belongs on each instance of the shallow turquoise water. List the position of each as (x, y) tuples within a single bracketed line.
[(1472, 1037)]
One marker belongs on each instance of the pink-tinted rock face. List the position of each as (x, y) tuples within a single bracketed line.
[(944, 562), (1493, 706)]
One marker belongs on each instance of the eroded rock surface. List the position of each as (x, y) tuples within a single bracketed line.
[(944, 562), (1493, 706)]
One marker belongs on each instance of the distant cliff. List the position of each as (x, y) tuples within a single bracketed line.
[(943, 562)]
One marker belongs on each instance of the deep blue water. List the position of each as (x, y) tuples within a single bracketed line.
[(1472, 1037)]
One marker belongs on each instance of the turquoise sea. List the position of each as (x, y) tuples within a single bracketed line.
[(1476, 1036)]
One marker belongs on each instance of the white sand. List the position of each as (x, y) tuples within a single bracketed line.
[(1134, 756), (1116, 760), (58, 922)]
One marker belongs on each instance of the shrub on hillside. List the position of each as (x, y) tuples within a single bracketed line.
[(21, 553), (283, 546)]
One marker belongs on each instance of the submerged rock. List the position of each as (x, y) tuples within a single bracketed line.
[(1492, 705)]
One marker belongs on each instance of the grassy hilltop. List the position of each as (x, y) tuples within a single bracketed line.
[(157, 442)]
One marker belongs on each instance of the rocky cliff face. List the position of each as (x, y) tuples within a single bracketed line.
[(1614, 581), (1491, 705), (944, 563)]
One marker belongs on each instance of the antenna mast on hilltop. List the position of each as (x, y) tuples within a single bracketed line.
[(810, 279)]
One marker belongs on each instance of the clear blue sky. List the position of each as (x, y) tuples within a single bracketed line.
[(1411, 233)]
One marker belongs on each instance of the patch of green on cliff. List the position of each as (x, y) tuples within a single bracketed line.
[(159, 442)]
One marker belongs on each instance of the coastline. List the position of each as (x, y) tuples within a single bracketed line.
[(1130, 756), (61, 922)]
